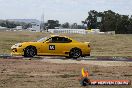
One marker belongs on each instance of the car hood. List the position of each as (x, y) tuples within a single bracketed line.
[(24, 43), (16, 45)]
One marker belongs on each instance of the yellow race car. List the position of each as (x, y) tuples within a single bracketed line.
[(54, 45)]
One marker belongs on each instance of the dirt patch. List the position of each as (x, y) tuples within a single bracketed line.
[(45, 74), (86, 61)]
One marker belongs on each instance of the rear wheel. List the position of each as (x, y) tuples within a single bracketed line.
[(75, 53), (85, 55), (88, 55), (68, 57), (30, 51)]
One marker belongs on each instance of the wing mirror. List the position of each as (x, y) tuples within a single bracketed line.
[(47, 42)]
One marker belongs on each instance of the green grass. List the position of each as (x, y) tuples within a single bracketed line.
[(102, 45)]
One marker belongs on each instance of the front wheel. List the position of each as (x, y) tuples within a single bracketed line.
[(75, 53), (29, 52)]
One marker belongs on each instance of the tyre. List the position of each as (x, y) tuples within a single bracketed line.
[(75, 53), (88, 55), (30, 51), (68, 57), (85, 55)]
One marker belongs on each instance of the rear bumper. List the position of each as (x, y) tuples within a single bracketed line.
[(86, 55), (86, 52)]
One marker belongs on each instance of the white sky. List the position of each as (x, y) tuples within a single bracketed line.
[(62, 10)]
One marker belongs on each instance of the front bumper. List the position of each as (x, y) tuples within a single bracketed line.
[(17, 52)]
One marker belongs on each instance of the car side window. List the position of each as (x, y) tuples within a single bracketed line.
[(59, 40), (65, 40), (53, 40)]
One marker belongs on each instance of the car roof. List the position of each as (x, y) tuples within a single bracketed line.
[(58, 36), (63, 36)]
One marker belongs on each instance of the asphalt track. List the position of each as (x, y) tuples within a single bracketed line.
[(90, 58)]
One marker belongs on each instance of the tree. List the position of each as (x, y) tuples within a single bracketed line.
[(51, 24), (122, 24), (91, 20), (12, 24), (74, 26), (111, 21), (66, 25)]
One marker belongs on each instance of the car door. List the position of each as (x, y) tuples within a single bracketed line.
[(51, 46), (56, 46), (60, 45), (44, 48)]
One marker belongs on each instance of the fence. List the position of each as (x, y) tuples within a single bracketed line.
[(77, 31)]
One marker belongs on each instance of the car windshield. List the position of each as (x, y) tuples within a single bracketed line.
[(42, 39)]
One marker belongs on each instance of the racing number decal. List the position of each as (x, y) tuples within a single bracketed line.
[(51, 47)]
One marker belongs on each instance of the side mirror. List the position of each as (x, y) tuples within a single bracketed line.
[(47, 42)]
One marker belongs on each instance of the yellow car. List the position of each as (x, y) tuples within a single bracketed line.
[(54, 45)]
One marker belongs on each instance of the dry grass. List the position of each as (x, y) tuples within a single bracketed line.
[(102, 45), (39, 74), (7, 39), (109, 45)]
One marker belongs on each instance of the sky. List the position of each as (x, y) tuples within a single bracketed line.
[(63, 10)]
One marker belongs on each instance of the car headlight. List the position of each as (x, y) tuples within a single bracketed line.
[(16, 45)]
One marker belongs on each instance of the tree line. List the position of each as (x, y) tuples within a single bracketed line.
[(52, 24), (109, 21), (13, 24), (105, 21)]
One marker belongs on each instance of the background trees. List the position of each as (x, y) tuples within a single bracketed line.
[(105, 21), (12, 24), (51, 24), (65, 25), (110, 21)]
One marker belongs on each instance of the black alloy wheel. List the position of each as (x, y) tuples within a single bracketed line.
[(75, 53), (29, 52)]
